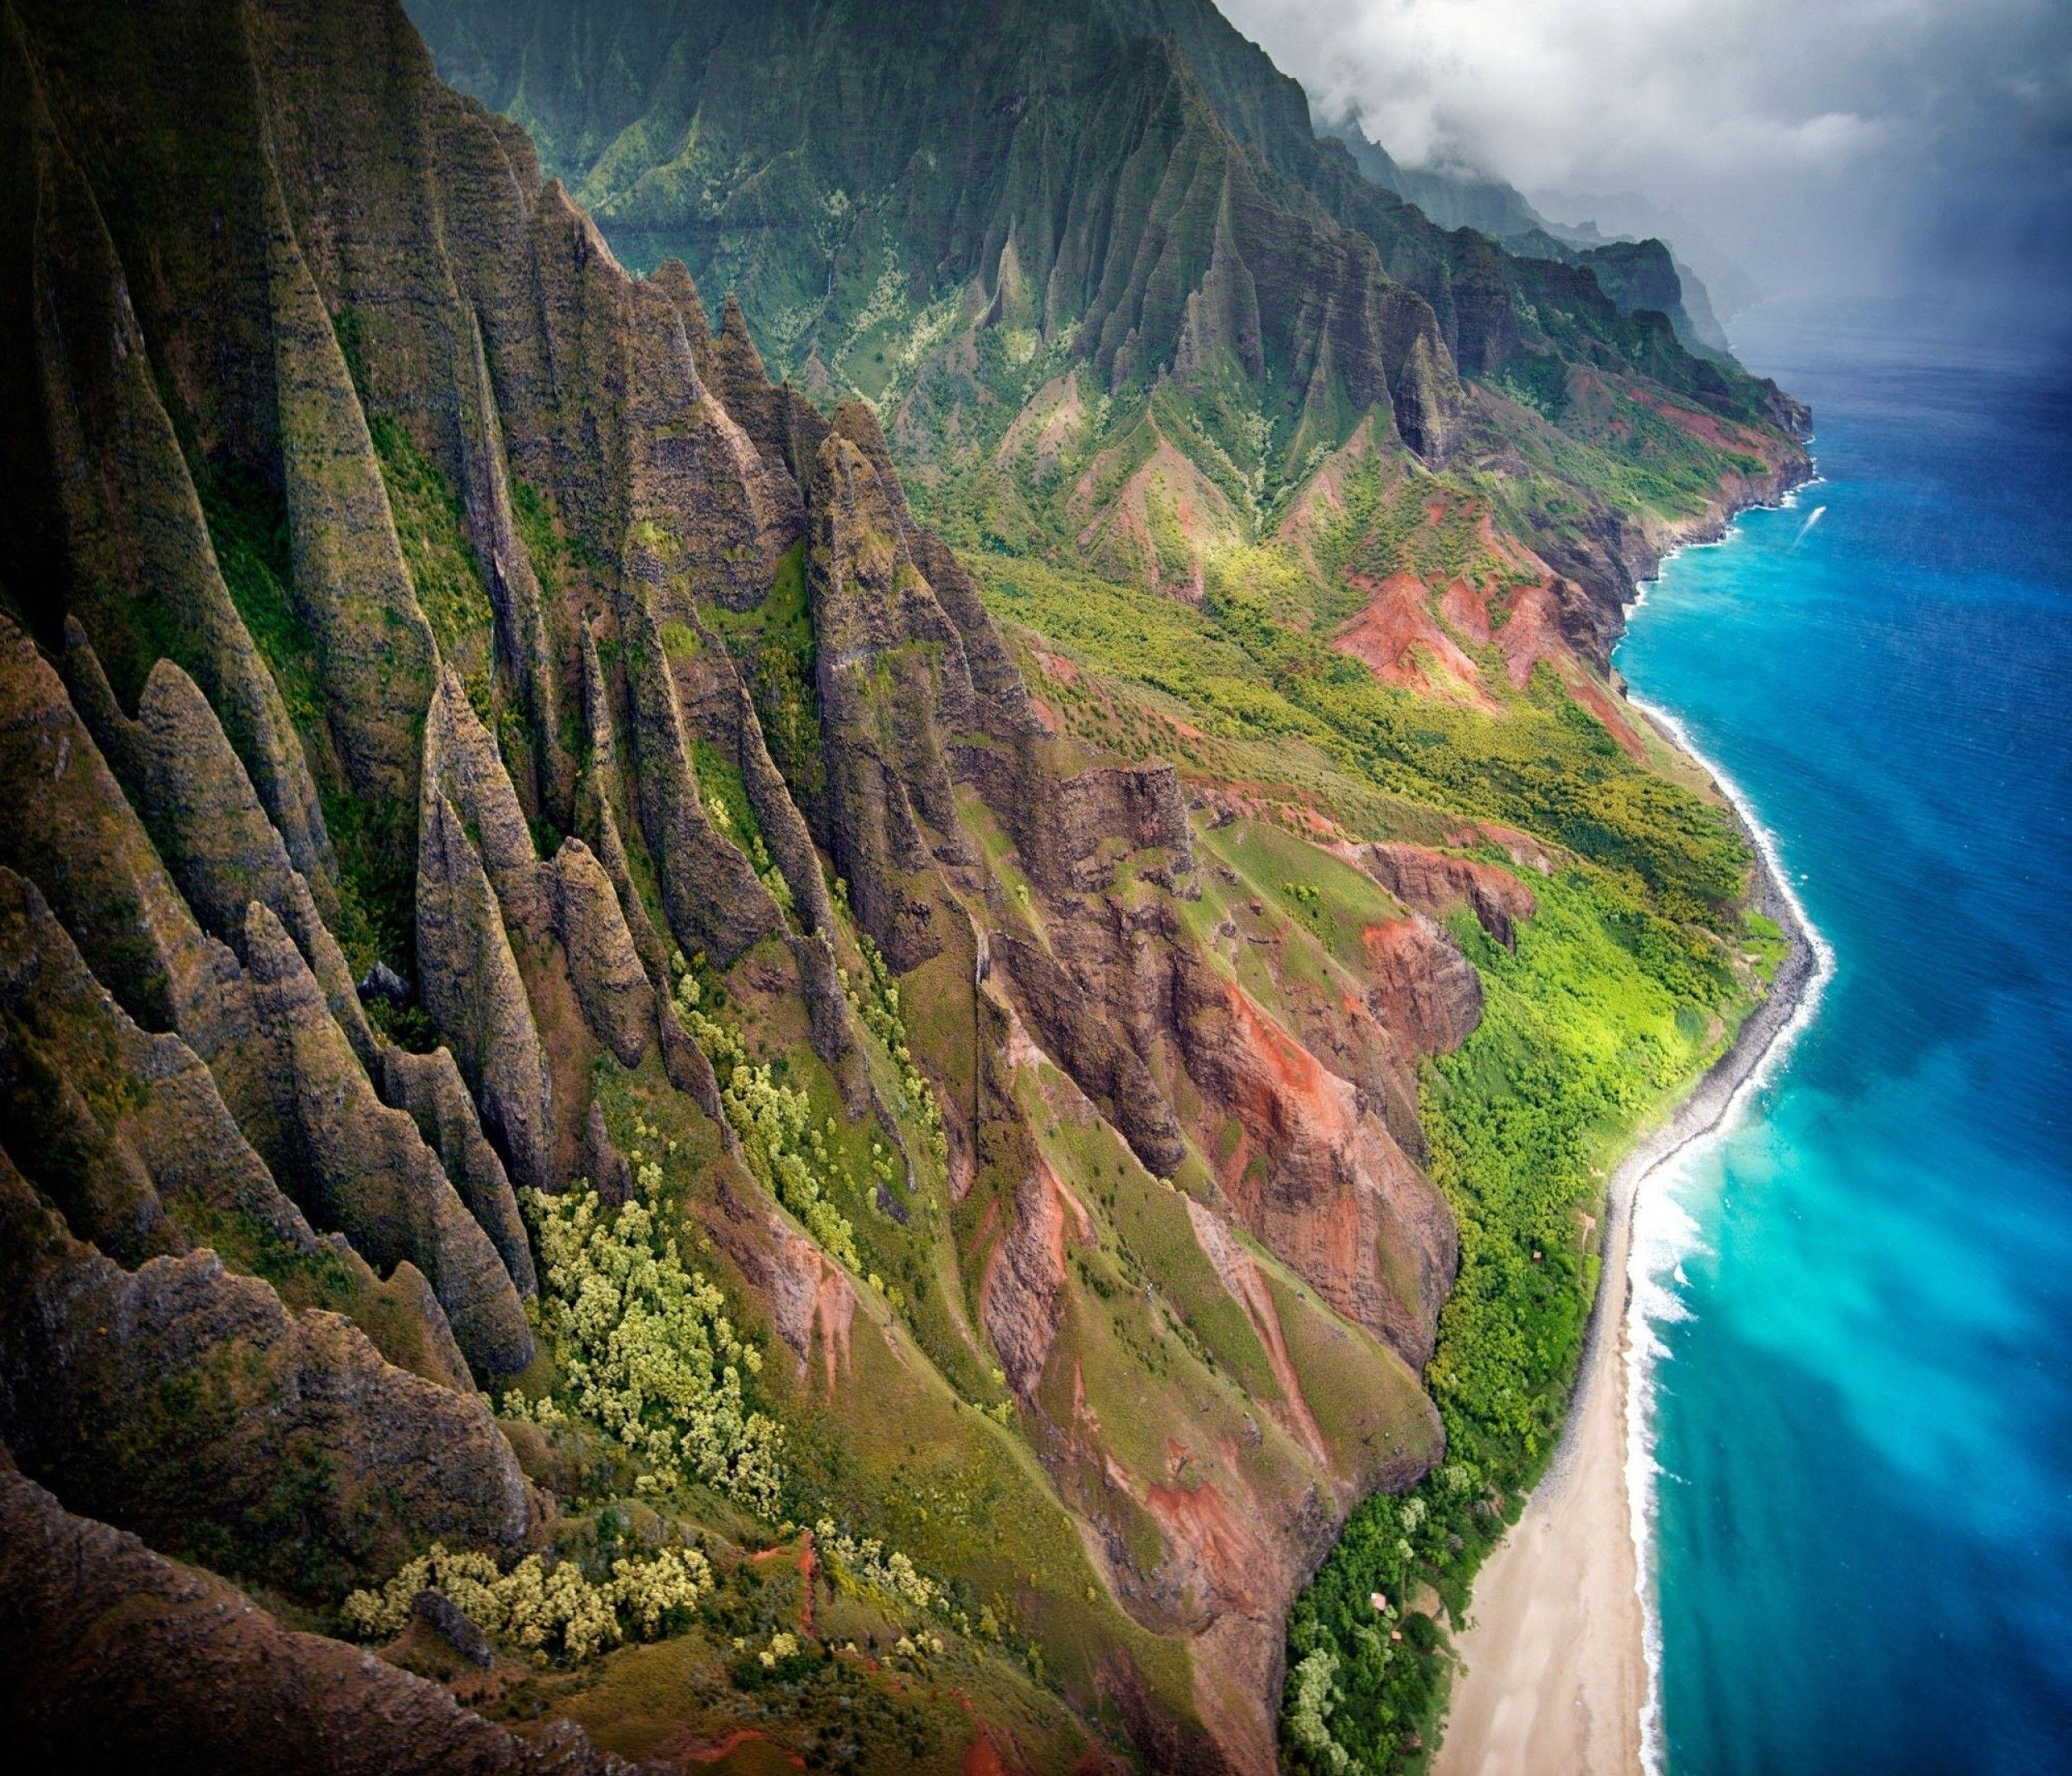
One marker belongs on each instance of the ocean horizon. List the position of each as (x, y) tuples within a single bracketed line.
[(1857, 1435)]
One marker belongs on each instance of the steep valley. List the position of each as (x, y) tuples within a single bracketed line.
[(800, 1009)]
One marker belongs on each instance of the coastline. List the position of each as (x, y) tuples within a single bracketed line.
[(1558, 1659)]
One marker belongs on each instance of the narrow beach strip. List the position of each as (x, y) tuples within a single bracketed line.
[(1562, 1655)]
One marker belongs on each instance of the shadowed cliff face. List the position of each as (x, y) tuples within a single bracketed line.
[(470, 739), (409, 596), (1113, 295)]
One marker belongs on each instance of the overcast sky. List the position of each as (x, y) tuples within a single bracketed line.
[(1830, 146)]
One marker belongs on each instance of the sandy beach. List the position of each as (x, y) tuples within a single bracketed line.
[(1555, 1675)]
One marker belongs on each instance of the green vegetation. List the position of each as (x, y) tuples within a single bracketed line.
[(433, 529), (876, 1004), (1621, 987), (865, 1566), (249, 529), (1582, 1040), (1177, 450), (648, 1351), (1670, 860), (775, 645), (540, 1607), (786, 1148), (557, 558), (727, 806), (375, 848)]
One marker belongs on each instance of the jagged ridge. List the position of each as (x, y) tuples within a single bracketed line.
[(401, 583)]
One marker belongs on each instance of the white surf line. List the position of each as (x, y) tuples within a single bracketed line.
[(1657, 1243), (1786, 501)]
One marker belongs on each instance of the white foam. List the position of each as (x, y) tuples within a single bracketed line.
[(1665, 1233), (1786, 501)]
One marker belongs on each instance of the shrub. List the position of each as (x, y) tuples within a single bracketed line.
[(775, 1123), (539, 1607), (650, 1354), (865, 1565)]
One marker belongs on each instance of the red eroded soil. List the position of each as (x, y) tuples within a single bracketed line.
[(1594, 697), (1706, 427), (1240, 1274), (1467, 608), (809, 1570), (981, 1759), (714, 1751), (1231, 1551), (1294, 1088), (1057, 666), (1531, 635), (1401, 641)]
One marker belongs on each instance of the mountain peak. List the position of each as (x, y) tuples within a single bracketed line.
[(904, 915)]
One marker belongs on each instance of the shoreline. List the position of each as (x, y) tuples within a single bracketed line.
[(1709, 1110), (1560, 1655)]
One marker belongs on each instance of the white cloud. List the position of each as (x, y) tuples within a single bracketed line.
[(1805, 132)]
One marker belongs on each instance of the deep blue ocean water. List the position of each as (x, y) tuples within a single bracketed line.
[(1863, 1378)]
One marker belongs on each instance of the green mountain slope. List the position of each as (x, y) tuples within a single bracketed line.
[(948, 221), (740, 1120), (1635, 274)]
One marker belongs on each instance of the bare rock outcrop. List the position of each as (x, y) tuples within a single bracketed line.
[(603, 1165), (188, 1404), (113, 1123), (617, 997), (429, 1087), (470, 984), (1434, 882), (365, 1168), (710, 893), (135, 528), (1018, 1297), (352, 587), (426, 365), (207, 820), (893, 686), (1314, 1180), (124, 1660), (69, 831), (785, 429), (1421, 986), (1113, 1072)]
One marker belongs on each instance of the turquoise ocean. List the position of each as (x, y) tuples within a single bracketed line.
[(1855, 1302)]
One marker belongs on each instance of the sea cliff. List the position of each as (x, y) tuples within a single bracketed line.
[(828, 1065)]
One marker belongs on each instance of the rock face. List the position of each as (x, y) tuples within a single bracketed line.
[(366, 1168), (1435, 882), (188, 1404), (400, 591), (429, 1087), (94, 1615), (1423, 987), (471, 986), (113, 1125)]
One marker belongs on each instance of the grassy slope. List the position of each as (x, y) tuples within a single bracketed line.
[(1626, 984), (1247, 688)]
